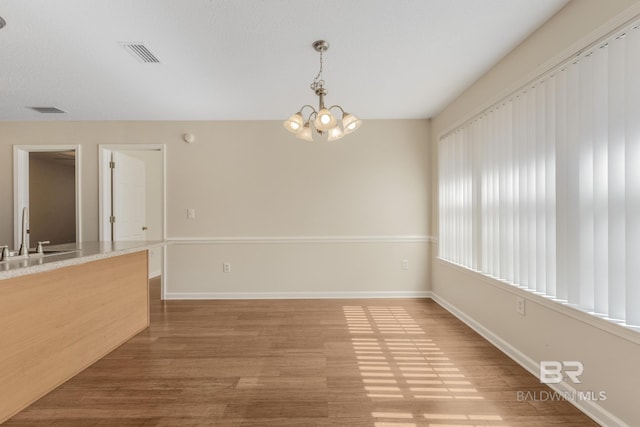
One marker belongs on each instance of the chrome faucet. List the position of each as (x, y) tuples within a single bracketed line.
[(24, 245), (39, 248)]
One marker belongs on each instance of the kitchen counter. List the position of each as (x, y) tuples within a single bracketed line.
[(60, 313), (74, 254)]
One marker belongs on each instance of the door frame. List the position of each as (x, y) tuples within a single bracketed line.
[(104, 184), (104, 196), (21, 184)]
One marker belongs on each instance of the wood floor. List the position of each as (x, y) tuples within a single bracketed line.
[(378, 363)]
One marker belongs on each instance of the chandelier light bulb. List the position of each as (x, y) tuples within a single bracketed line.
[(319, 136), (294, 123), (325, 120), (350, 123), (305, 133), (335, 133)]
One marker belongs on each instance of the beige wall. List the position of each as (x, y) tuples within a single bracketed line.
[(251, 179), (297, 269), (255, 180), (544, 333)]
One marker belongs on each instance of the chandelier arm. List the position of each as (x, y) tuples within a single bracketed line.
[(338, 107), (313, 111), (304, 106)]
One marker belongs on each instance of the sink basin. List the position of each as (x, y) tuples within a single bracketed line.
[(58, 251), (13, 255), (52, 252)]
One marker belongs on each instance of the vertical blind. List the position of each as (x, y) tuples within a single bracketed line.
[(542, 190)]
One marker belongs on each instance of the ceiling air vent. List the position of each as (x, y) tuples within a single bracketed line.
[(48, 110), (141, 52)]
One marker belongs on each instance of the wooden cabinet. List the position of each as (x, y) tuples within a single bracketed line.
[(54, 324)]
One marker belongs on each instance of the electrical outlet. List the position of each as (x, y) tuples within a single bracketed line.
[(520, 305), (226, 267), (404, 264)]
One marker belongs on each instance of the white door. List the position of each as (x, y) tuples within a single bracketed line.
[(128, 197)]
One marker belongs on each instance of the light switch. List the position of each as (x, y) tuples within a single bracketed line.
[(191, 213)]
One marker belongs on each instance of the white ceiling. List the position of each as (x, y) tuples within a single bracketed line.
[(251, 59)]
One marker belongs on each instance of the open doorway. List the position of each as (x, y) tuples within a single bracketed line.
[(132, 196), (47, 194)]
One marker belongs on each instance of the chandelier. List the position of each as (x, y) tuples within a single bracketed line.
[(321, 125)]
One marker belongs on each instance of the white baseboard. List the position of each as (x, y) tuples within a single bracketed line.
[(524, 360), (294, 295), (590, 408)]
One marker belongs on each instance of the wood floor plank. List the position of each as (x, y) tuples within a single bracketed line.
[(361, 363)]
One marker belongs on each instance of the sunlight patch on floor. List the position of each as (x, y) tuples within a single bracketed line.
[(400, 363)]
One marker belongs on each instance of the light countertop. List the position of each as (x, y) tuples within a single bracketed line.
[(74, 254)]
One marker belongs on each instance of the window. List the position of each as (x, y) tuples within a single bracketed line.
[(542, 190)]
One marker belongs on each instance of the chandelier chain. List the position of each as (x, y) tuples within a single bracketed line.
[(318, 82)]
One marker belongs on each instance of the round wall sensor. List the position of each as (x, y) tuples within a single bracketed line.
[(188, 138), (2, 22)]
